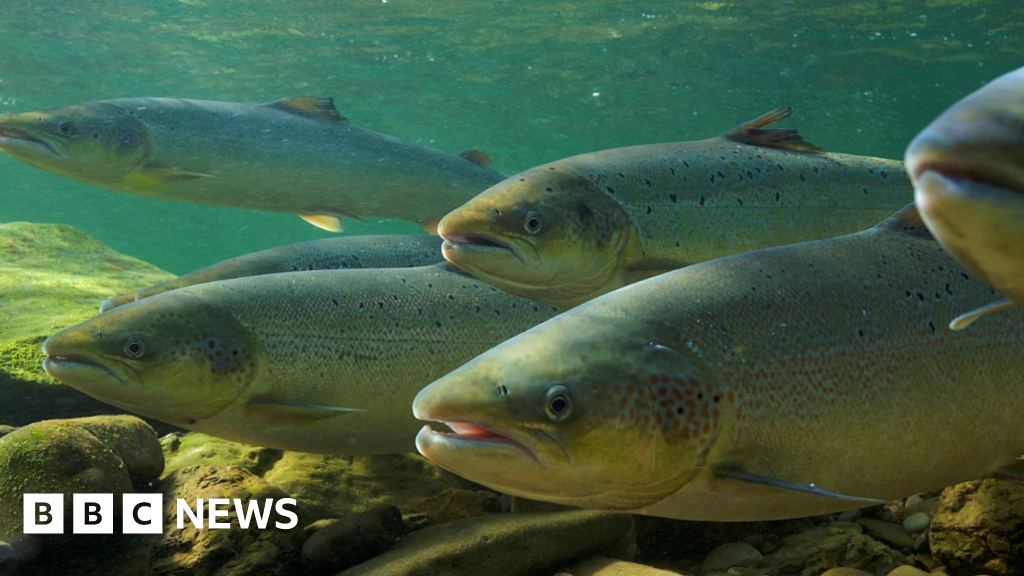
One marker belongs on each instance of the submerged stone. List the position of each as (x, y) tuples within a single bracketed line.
[(505, 545), (840, 544), (979, 528), (602, 566), (352, 540)]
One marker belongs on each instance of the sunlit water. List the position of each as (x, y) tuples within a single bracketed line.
[(528, 81)]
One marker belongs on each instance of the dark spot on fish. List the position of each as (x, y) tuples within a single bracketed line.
[(522, 179), (672, 171), (712, 178), (776, 196), (621, 175), (584, 212), (802, 179), (477, 308), (883, 174), (437, 323), (551, 168), (496, 212), (549, 189), (780, 167), (701, 200), (932, 326), (335, 301), (610, 190), (648, 209), (673, 198), (740, 200)]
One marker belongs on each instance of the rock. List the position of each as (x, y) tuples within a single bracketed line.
[(329, 486), (51, 277), (182, 450), (916, 522), (133, 441), (6, 552), (907, 571), (314, 527), (453, 504), (505, 545), (602, 566), (352, 540), (846, 572), (915, 500), (840, 544), (733, 555), (979, 528), (887, 532), (228, 552), (55, 456)]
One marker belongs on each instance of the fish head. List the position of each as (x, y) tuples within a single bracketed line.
[(547, 234), (567, 413), (171, 357), (95, 142), (968, 172)]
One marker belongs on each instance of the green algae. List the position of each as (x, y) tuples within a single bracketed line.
[(53, 276)]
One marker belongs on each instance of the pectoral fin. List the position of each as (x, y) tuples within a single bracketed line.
[(743, 476), (299, 411), (964, 320)]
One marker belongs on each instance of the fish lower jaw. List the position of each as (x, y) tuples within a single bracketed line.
[(457, 247), (469, 437), (968, 180)]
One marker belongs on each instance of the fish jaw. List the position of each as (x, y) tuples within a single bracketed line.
[(18, 140), (981, 225)]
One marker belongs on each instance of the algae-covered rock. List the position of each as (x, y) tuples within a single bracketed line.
[(223, 552), (52, 277), (329, 486), (132, 440), (453, 504), (55, 456), (505, 545), (840, 544), (182, 450), (979, 528)]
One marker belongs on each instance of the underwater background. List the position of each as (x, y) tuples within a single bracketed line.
[(527, 81)]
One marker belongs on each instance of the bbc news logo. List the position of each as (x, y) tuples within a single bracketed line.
[(143, 513)]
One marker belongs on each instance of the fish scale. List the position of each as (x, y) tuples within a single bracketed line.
[(768, 377), (337, 355)]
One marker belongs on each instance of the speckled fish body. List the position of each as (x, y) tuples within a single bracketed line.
[(968, 167), (323, 361), (824, 363), (294, 155), (576, 228), (372, 251)]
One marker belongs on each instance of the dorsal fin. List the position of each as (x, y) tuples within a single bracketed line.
[(478, 157), (310, 106), (753, 133), (906, 221)]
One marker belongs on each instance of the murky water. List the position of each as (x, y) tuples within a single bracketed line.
[(527, 81)]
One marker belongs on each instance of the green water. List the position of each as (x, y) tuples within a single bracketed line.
[(528, 81)]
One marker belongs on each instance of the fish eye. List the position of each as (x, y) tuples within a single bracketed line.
[(532, 224), (134, 346), (65, 129), (559, 403)]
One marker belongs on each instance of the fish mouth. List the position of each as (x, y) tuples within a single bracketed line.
[(481, 243), (986, 176), (23, 137), (78, 367), (477, 435)]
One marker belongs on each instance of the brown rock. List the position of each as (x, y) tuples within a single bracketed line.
[(505, 545), (887, 532), (602, 566), (846, 572), (907, 571), (840, 544), (979, 528), (229, 552), (346, 542), (454, 504)]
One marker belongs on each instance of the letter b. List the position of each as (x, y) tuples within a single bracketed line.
[(93, 514), (43, 514)]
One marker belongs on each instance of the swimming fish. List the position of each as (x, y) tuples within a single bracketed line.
[(968, 168), (319, 361), (573, 229), (792, 381), (293, 155), (394, 251)]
